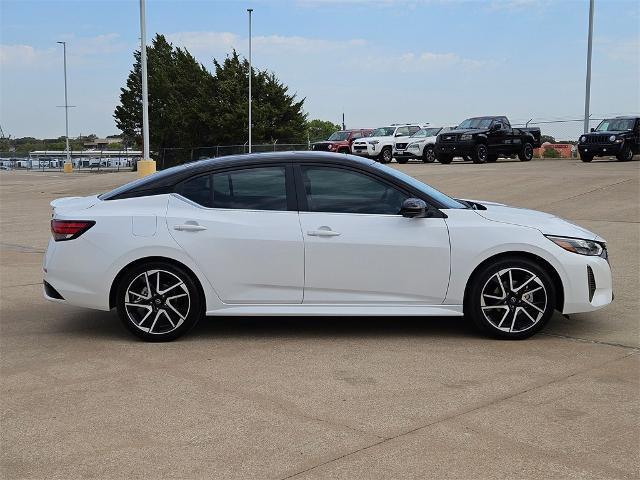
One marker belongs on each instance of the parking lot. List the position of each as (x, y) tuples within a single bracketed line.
[(318, 398)]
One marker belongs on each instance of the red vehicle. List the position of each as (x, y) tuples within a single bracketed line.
[(341, 140)]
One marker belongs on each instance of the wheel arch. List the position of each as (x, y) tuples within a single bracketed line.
[(553, 273), (172, 261)]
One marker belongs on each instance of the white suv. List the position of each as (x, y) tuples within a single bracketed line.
[(381, 145), (420, 145)]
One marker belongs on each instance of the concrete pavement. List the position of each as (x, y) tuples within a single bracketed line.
[(321, 398)]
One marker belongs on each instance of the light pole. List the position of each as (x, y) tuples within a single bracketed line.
[(587, 98), (250, 10), (68, 166), (146, 166)]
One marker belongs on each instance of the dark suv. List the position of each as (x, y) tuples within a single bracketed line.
[(341, 141), (619, 136)]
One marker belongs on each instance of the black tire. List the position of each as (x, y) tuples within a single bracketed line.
[(480, 153), (492, 158), (524, 313), (428, 154), (183, 303), (402, 160), (526, 154), (385, 155), (585, 157), (626, 154), (444, 158)]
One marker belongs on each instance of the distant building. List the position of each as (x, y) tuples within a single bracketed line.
[(564, 149), (101, 143)]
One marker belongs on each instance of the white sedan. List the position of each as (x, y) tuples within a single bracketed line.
[(315, 234)]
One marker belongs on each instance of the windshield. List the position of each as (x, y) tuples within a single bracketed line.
[(475, 123), (426, 132), (615, 125), (383, 132), (338, 136), (440, 197)]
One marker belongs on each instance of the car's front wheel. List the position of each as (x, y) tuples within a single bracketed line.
[(511, 299), (386, 155), (626, 154), (158, 301), (480, 153), (428, 155)]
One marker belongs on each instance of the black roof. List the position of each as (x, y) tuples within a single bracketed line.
[(166, 179)]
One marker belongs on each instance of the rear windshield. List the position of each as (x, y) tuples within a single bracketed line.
[(140, 183)]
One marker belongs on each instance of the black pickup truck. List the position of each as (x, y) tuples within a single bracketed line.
[(484, 139), (619, 136)]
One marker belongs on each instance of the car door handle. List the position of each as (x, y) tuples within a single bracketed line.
[(322, 232), (189, 227)]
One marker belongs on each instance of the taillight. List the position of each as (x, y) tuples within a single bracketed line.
[(69, 229)]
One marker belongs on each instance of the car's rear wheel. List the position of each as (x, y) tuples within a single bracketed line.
[(585, 157), (511, 299), (443, 158), (526, 154), (158, 301), (428, 154), (626, 154)]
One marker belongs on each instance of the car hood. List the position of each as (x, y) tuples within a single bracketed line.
[(368, 139), (465, 130), (607, 134), (546, 223), (421, 140)]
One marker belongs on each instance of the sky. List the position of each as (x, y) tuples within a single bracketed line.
[(378, 61)]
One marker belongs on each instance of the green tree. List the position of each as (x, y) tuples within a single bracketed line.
[(320, 129), (550, 152), (190, 106)]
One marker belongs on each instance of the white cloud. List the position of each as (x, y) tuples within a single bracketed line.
[(216, 43), (79, 50)]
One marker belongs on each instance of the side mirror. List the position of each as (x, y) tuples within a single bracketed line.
[(495, 127), (593, 129), (413, 208)]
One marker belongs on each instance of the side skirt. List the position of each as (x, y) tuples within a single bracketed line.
[(338, 310)]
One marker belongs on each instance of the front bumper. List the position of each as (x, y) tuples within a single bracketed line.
[(456, 149), (589, 284), (600, 149), (367, 150)]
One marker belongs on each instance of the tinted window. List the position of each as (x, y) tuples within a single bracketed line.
[(261, 188), (198, 189), (344, 191), (413, 130)]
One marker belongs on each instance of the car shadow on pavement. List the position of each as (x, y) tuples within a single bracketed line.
[(108, 325), (331, 327)]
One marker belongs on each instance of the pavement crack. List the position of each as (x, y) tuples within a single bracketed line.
[(588, 340), (457, 415), (20, 248), (588, 192)]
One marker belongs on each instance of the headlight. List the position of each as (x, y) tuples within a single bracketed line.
[(374, 142), (578, 245), (412, 145), (612, 138), (330, 146), (466, 136), (583, 139)]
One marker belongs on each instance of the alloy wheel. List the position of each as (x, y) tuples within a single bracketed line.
[(513, 300), (157, 301), (429, 155)]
